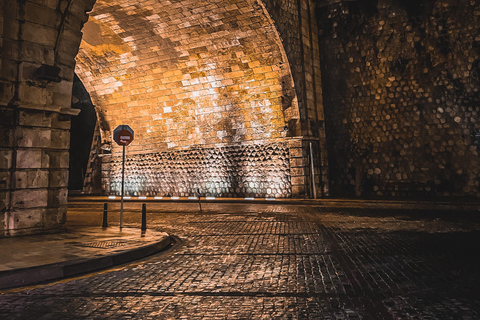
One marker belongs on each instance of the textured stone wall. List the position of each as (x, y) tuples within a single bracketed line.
[(297, 26), (185, 73), (188, 74), (401, 89), (252, 170), (35, 112)]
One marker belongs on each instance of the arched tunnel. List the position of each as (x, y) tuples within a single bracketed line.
[(236, 98), (207, 89)]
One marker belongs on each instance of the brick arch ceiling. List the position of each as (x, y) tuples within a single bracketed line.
[(185, 73)]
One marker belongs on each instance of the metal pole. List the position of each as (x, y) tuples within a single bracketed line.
[(312, 173), (105, 211), (144, 217), (123, 188)]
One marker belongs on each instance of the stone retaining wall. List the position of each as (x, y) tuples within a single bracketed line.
[(401, 88), (252, 170)]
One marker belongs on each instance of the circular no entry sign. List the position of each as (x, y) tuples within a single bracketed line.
[(123, 135)]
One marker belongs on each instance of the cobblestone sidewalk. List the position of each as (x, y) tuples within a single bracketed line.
[(278, 262)]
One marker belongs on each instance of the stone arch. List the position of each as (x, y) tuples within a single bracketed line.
[(212, 77), (40, 38)]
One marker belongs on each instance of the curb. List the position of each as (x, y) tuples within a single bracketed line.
[(442, 205), (60, 270)]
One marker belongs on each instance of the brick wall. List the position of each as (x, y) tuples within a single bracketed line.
[(401, 89), (187, 74)]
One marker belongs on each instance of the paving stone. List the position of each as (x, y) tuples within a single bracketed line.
[(247, 261)]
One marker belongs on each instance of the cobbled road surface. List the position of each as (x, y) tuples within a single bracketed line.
[(258, 261)]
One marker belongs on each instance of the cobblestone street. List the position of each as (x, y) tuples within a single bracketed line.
[(258, 261)]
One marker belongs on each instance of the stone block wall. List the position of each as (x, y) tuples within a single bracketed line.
[(204, 74), (248, 170), (186, 75), (401, 91), (296, 23), (35, 112)]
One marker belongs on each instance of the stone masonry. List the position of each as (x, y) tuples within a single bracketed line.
[(401, 89), (187, 75), (251, 170), (389, 88), (35, 111)]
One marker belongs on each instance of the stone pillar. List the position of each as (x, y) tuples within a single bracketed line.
[(298, 167), (313, 129), (36, 72)]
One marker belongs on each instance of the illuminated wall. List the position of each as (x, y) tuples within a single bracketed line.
[(250, 170), (190, 75)]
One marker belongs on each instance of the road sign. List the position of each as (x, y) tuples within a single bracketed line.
[(123, 135)]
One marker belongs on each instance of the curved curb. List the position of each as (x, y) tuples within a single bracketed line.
[(55, 271)]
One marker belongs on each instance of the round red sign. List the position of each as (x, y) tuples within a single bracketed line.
[(123, 135)]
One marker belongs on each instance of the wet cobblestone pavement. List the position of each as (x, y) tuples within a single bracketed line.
[(241, 261)]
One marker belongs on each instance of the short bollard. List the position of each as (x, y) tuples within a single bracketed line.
[(199, 201), (144, 217), (105, 212)]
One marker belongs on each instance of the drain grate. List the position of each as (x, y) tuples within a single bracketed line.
[(105, 244)]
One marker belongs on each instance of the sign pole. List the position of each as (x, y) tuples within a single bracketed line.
[(123, 136), (123, 188)]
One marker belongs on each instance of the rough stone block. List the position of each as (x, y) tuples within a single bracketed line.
[(62, 93), (30, 94), (61, 121), (34, 119), (5, 159), (298, 190), (38, 54), (297, 171), (26, 218), (38, 138), (79, 8), (40, 34), (296, 162), (296, 152), (31, 179), (55, 217), (57, 197), (4, 200), (60, 139), (40, 14), (7, 91), (299, 180), (6, 138), (10, 28), (4, 180), (8, 73), (58, 159), (29, 198), (295, 143), (31, 159), (58, 178)]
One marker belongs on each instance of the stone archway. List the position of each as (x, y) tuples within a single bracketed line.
[(39, 43), (207, 88)]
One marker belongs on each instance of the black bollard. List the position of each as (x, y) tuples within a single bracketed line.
[(105, 211), (199, 202), (144, 217)]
